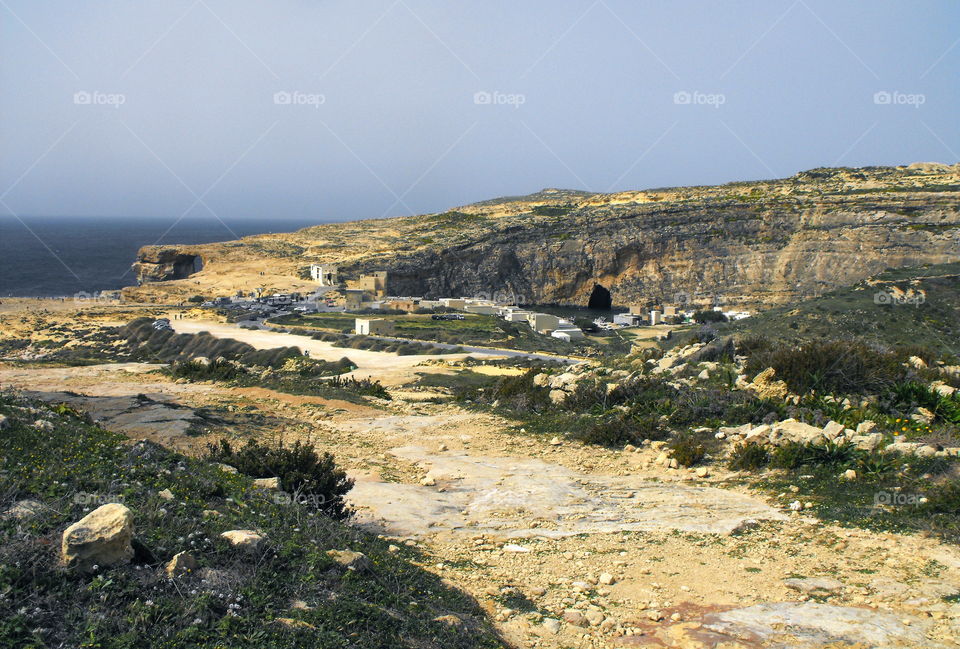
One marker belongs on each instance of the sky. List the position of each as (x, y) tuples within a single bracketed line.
[(341, 110)]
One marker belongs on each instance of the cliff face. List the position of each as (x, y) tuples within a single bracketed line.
[(160, 264), (746, 243)]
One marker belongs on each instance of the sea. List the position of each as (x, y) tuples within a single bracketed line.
[(62, 256)]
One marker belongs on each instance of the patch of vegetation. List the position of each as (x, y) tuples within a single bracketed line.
[(892, 492), (235, 599), (831, 367), (300, 470), (867, 313), (165, 346)]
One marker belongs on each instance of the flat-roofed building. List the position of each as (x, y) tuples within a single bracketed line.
[(373, 326)]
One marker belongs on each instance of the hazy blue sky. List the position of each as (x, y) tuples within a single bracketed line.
[(165, 108)]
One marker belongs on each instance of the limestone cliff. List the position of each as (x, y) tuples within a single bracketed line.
[(766, 242)]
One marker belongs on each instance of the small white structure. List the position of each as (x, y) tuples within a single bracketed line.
[(453, 303), (326, 275), (568, 334), (516, 315), (627, 319), (482, 309), (655, 317), (543, 323), (373, 326)]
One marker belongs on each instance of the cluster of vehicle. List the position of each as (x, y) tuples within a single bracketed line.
[(447, 316), (162, 323)]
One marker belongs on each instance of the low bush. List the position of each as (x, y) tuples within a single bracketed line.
[(795, 455), (748, 457), (688, 449), (832, 367), (301, 471)]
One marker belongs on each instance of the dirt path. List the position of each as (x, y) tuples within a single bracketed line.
[(568, 545)]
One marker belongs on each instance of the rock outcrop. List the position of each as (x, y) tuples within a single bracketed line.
[(757, 243), (162, 263)]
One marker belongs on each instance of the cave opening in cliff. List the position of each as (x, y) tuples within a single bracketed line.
[(600, 299)]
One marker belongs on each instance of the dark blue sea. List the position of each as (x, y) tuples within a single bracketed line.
[(56, 256)]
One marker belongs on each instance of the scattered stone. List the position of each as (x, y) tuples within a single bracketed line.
[(574, 617), (865, 427), (23, 509), (450, 620), (393, 549), (102, 538), (225, 467), (555, 441), (849, 474), (703, 472), (349, 559), (428, 481), (43, 425), (629, 448), (654, 615), (300, 605), (550, 625), (243, 539), (607, 579), (4, 422), (766, 387), (594, 618), (211, 513), (266, 483), (513, 547), (166, 494), (181, 564), (833, 430)]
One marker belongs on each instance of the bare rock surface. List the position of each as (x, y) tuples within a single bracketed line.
[(524, 497), (809, 625)]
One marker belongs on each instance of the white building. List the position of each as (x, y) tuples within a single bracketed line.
[(516, 315), (373, 326), (326, 274), (543, 323), (482, 309), (568, 334)]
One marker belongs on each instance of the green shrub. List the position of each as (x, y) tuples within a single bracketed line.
[(687, 449), (702, 317), (302, 472), (795, 455), (622, 428), (748, 457)]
